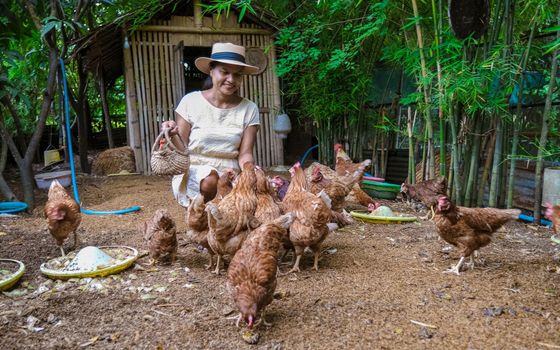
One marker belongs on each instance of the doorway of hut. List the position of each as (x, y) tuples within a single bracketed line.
[(193, 77)]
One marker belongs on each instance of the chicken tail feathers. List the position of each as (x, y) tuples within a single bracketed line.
[(325, 198), (514, 213), (285, 221)]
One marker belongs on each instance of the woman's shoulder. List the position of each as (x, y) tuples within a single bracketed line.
[(192, 96), (246, 103)]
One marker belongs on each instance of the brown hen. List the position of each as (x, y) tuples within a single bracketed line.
[(426, 192), (267, 208), (252, 271), (231, 218), (160, 236), (469, 229), (62, 214), (312, 213)]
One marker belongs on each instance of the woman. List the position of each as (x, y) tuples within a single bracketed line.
[(218, 126)]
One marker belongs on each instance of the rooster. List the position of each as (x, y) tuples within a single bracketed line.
[(253, 269), (469, 229), (160, 236), (62, 214), (312, 213)]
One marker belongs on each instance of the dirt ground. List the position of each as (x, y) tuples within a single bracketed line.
[(378, 287)]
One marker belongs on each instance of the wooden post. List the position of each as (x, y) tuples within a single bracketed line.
[(197, 14), (132, 121), (105, 106)]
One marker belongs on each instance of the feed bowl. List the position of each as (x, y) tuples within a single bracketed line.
[(90, 262), (364, 216), (44, 180), (8, 278), (383, 190)]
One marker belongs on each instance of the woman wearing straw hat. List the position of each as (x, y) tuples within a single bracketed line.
[(218, 126)]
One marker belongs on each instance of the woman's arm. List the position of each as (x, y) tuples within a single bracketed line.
[(247, 144)]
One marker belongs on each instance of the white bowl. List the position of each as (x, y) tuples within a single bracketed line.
[(44, 180)]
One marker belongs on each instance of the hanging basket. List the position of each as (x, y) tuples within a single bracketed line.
[(169, 160)]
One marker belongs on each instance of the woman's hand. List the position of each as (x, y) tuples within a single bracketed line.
[(171, 125)]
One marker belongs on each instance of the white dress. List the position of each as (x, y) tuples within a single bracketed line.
[(214, 140)]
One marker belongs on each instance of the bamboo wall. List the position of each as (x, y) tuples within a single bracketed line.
[(157, 72)]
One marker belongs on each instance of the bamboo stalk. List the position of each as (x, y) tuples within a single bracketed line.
[(132, 122), (470, 198), (544, 131), (456, 190), (425, 88), (411, 160), (486, 171)]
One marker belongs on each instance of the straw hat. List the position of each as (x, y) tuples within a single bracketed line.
[(225, 53)]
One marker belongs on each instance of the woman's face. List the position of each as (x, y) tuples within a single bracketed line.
[(226, 78)]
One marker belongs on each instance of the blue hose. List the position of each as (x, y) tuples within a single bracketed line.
[(12, 207), (71, 155), (307, 153), (531, 219)]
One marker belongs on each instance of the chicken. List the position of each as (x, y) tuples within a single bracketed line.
[(62, 214), (160, 236), (252, 271), (426, 192), (553, 214), (344, 165), (469, 229), (230, 220), (338, 187), (280, 185), (267, 208), (312, 213), (197, 217), (225, 185)]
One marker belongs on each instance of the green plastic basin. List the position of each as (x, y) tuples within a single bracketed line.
[(382, 190)]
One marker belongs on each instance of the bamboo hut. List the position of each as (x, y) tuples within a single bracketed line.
[(157, 61)]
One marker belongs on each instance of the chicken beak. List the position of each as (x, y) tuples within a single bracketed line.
[(250, 321)]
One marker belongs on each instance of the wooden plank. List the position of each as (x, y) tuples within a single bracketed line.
[(148, 78), (169, 67), (140, 92), (132, 121)]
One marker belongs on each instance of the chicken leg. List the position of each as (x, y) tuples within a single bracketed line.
[(61, 250), (296, 266), (217, 269), (75, 240), (209, 266), (457, 267), (316, 260)]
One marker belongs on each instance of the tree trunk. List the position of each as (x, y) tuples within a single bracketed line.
[(544, 132), (105, 106), (4, 187)]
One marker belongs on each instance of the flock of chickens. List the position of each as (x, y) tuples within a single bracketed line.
[(256, 220)]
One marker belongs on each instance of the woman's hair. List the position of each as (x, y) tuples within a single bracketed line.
[(207, 84)]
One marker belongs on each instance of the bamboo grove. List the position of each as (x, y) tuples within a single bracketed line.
[(466, 107)]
